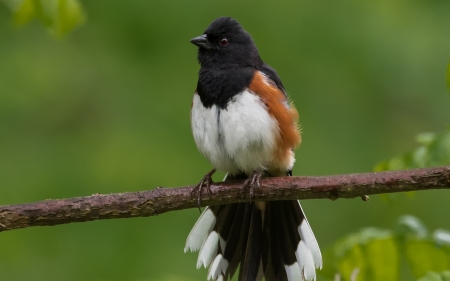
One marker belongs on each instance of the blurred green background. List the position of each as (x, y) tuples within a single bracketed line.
[(107, 110)]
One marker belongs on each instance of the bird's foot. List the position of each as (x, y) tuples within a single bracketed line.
[(253, 182), (197, 190)]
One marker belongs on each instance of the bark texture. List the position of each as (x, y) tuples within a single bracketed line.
[(161, 200)]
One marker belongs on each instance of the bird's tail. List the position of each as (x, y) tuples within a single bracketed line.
[(267, 239)]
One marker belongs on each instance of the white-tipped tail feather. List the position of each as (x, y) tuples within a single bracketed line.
[(225, 238), (209, 250), (307, 235), (200, 231), (293, 272), (305, 261), (217, 268)]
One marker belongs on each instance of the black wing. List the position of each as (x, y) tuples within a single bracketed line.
[(273, 75)]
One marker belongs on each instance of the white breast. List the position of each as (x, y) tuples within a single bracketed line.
[(240, 138)]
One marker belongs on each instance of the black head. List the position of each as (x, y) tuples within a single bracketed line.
[(225, 44)]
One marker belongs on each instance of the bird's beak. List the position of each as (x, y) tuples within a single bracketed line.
[(201, 41)]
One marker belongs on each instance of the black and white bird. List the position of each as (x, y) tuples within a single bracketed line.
[(245, 125)]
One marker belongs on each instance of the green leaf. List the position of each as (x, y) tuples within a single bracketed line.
[(433, 150), (410, 225), (431, 276), (368, 250), (353, 258), (423, 253), (424, 256), (59, 16), (70, 14), (445, 275), (24, 13), (442, 237), (383, 253), (371, 249), (434, 276)]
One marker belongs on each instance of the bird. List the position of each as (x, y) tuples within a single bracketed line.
[(245, 125)]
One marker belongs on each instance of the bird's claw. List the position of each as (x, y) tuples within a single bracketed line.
[(197, 190), (253, 182)]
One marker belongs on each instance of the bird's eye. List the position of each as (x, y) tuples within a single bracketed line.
[(223, 41)]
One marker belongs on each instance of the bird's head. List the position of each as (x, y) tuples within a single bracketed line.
[(225, 44)]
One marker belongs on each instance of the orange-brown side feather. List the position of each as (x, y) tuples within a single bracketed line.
[(287, 117)]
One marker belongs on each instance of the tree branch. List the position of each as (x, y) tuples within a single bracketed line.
[(161, 200)]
